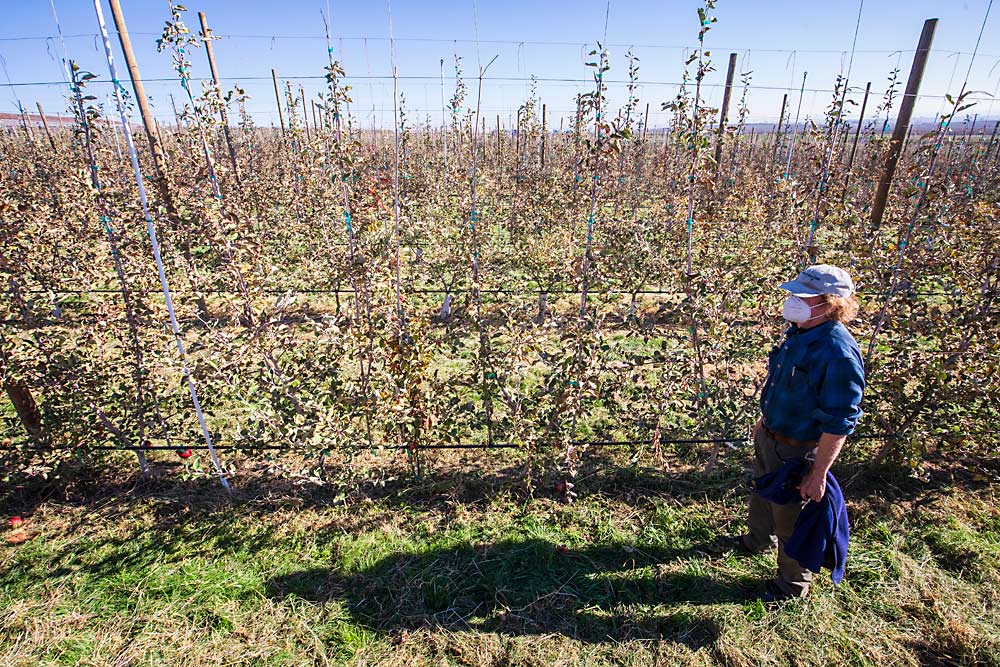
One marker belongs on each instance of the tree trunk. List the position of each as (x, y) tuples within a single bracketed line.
[(445, 308), (543, 308), (27, 409)]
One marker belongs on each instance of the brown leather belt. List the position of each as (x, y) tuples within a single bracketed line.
[(785, 440)]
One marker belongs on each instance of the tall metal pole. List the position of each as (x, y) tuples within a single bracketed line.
[(903, 119), (724, 114), (159, 161), (207, 38)]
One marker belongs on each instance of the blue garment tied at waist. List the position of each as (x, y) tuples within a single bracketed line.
[(822, 532)]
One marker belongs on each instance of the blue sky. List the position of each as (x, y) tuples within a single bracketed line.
[(777, 39)]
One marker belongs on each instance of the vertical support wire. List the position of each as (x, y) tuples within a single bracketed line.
[(484, 349), (395, 171), (444, 125), (151, 230), (332, 82), (691, 294), (599, 95), (833, 135), (184, 71), (795, 129)]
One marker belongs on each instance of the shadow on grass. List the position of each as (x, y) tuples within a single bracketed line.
[(470, 482), (532, 586)]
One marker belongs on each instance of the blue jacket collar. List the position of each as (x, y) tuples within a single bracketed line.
[(809, 335)]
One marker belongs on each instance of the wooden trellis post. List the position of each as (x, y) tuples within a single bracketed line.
[(724, 113), (206, 37), (277, 98), (544, 132), (159, 160), (499, 147), (45, 124), (902, 126), (305, 115), (777, 131), (857, 136), (159, 132), (151, 226)]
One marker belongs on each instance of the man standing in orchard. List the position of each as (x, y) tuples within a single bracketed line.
[(810, 403)]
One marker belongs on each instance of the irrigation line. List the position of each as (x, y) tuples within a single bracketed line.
[(151, 231)]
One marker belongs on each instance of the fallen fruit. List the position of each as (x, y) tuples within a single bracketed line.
[(15, 522), (184, 453)]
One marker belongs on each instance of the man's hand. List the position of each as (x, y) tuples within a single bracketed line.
[(813, 486), (756, 427)]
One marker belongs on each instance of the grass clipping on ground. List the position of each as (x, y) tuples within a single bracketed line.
[(465, 569)]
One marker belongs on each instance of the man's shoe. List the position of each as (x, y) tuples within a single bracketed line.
[(773, 594), (733, 544)]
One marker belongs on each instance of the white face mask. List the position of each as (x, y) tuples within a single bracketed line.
[(796, 310)]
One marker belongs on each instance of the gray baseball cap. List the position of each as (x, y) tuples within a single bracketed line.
[(821, 279)]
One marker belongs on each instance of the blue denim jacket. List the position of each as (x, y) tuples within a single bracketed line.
[(815, 381)]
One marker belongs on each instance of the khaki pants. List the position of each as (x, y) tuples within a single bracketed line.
[(768, 521)]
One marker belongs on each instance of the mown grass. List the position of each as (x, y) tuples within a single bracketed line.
[(472, 565)]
